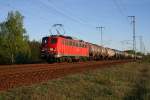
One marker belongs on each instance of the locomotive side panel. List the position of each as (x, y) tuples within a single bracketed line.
[(59, 47)]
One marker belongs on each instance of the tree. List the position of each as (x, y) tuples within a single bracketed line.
[(14, 44), (35, 51)]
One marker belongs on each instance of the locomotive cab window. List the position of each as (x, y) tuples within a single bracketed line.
[(45, 40), (53, 40)]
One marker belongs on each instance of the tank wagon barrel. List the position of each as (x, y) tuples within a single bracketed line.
[(110, 53), (97, 52)]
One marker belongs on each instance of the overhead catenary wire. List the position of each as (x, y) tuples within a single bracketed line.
[(69, 11), (64, 10), (62, 13), (123, 6), (49, 6), (121, 9), (8, 5)]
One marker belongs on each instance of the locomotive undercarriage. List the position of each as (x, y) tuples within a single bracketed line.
[(51, 58)]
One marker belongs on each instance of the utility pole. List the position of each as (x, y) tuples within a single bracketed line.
[(141, 43), (101, 29), (144, 48), (134, 39)]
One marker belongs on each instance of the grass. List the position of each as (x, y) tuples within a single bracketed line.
[(120, 82)]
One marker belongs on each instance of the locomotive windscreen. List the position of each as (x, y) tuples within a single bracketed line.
[(45, 40)]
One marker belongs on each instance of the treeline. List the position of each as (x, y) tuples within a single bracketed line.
[(132, 52), (15, 46), (146, 58)]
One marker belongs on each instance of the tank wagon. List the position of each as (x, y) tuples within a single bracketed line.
[(64, 48), (97, 52)]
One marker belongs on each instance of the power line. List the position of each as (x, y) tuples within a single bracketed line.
[(141, 44), (127, 43), (134, 39), (31, 14), (56, 11), (56, 7), (101, 29), (120, 9), (60, 12), (123, 5), (144, 48), (69, 14)]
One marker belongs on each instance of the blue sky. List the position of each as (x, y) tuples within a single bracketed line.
[(81, 17)]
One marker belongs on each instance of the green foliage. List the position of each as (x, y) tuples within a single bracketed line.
[(130, 51), (146, 58), (137, 53), (14, 44), (35, 51)]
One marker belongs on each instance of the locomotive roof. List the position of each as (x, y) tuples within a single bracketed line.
[(67, 37)]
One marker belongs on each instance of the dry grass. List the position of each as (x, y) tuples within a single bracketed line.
[(121, 82)]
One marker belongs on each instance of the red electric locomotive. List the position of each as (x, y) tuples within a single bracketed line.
[(60, 48)]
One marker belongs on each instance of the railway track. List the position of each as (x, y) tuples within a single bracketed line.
[(21, 75)]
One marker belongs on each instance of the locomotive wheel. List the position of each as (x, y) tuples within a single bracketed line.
[(83, 59), (69, 60), (51, 59), (61, 60), (57, 60)]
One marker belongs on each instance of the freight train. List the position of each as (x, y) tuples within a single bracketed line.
[(60, 48)]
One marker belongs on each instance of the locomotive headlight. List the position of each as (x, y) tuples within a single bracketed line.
[(51, 49), (42, 50), (54, 49)]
